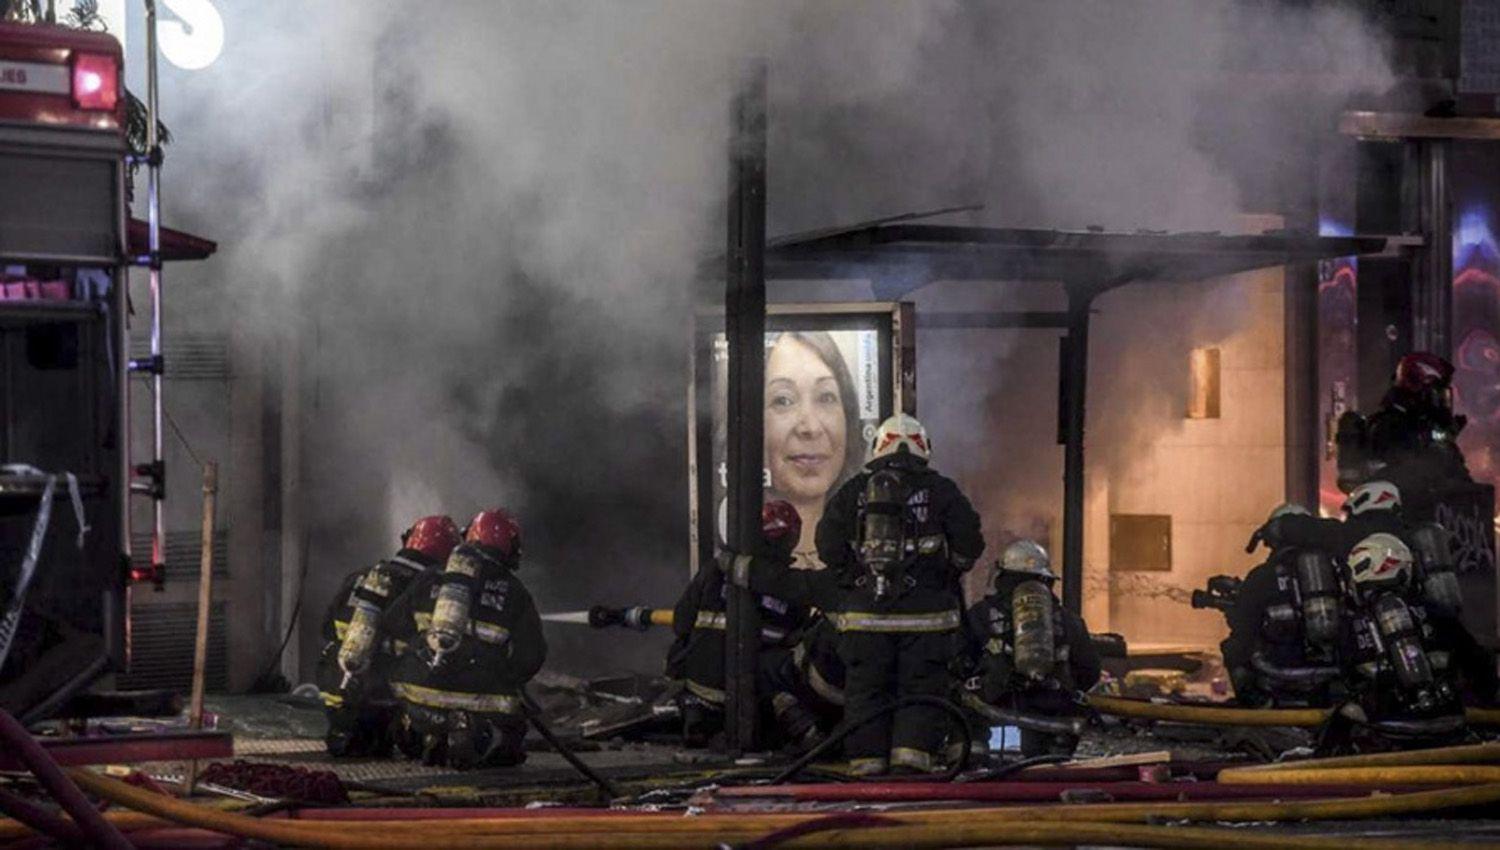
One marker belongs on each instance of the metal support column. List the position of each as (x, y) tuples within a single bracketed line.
[(117, 619), (1432, 285), (1075, 375), (1301, 424), (745, 325)]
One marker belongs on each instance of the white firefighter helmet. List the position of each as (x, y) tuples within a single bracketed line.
[(901, 433), (1027, 556), (1373, 496), (1288, 509), (1378, 559)]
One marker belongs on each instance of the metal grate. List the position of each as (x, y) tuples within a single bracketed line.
[(161, 647), (184, 548), (190, 356)]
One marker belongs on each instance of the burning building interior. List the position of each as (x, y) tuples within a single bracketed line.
[(866, 423)]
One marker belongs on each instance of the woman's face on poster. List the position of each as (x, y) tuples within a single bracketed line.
[(805, 431)]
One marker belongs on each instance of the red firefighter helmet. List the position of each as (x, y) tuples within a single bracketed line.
[(1422, 370), (433, 536), (495, 529), (780, 524)]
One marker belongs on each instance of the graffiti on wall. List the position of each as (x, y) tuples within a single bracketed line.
[(1473, 550)]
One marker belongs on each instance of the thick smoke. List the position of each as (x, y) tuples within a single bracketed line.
[(480, 221)]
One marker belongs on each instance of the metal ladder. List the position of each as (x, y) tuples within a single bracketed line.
[(149, 479)]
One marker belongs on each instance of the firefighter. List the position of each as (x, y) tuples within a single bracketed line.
[(814, 672), (1285, 618), (897, 537), (1029, 654), (1412, 438), (697, 655), (358, 653), (817, 674), (1373, 507), (474, 639), (1403, 661)]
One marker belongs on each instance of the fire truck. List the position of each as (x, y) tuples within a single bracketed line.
[(67, 475)]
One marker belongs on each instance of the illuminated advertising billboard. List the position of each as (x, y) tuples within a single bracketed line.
[(833, 372)]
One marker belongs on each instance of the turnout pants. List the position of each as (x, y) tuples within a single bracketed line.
[(463, 730), (783, 703), (881, 667), (361, 718)]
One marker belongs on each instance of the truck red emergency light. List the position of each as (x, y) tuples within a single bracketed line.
[(96, 81), (60, 76)]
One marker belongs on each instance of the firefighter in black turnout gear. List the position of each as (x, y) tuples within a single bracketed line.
[(358, 653), (696, 658), (897, 537), (814, 673), (1028, 653), (817, 674), (1284, 622), (1401, 658), (1412, 439), (1371, 508), (474, 639)]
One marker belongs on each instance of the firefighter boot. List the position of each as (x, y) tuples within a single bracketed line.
[(798, 725), (918, 730), (477, 740)]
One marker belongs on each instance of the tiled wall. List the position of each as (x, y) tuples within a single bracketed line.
[(1217, 478)]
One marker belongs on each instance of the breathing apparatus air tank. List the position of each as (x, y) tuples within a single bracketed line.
[(1319, 588), (1403, 644), (362, 634), (359, 641), (1433, 547), (882, 532), (450, 611), (1035, 641)]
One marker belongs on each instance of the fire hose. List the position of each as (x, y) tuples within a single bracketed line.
[(637, 617), (1304, 676), (534, 715), (1213, 715), (1106, 823), (1023, 720), (1465, 754), (1425, 774), (98, 831), (40, 819)]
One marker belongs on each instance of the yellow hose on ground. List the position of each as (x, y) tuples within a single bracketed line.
[(741, 827), (1483, 716), (916, 829), (11, 830), (1465, 754), (1427, 774), (899, 837), (1113, 835), (1213, 715)]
